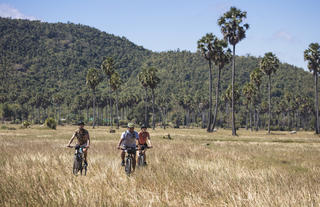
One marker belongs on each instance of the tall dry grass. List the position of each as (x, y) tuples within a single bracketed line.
[(193, 169)]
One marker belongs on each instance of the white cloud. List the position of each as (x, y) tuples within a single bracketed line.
[(8, 11), (283, 35)]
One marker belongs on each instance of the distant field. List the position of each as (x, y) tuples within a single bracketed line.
[(193, 169)]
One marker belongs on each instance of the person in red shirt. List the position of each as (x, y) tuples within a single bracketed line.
[(144, 140)]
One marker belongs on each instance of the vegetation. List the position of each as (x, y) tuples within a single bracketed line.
[(45, 67), (233, 31), (269, 64), (51, 123), (253, 169), (312, 55)]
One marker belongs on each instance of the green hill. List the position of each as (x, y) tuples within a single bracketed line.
[(46, 59)]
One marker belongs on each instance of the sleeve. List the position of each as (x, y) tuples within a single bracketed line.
[(137, 135), (123, 135)]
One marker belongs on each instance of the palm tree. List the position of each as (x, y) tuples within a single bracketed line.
[(249, 92), (312, 55), (255, 78), (234, 31), (153, 81), (205, 45), (268, 65), (143, 78), (221, 57), (108, 66), (115, 85), (92, 80)]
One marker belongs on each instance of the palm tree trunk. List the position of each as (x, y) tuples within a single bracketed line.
[(269, 90), (111, 113), (87, 109), (117, 106), (217, 102), (250, 115), (210, 98), (316, 105), (145, 107), (247, 113), (94, 109), (106, 113), (153, 114), (59, 114), (234, 132)]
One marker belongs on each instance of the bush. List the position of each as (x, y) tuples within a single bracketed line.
[(123, 123), (51, 123), (25, 124)]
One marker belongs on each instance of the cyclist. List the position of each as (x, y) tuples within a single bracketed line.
[(144, 141), (83, 138), (129, 138)]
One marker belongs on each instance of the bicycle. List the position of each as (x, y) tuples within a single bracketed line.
[(141, 156), (130, 152), (78, 163)]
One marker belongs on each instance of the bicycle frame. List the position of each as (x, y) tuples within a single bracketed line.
[(130, 152), (78, 160)]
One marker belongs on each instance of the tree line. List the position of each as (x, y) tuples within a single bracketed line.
[(73, 72)]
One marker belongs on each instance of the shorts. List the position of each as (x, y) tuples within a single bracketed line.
[(143, 146)]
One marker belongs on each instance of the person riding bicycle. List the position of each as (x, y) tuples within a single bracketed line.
[(144, 141), (128, 139), (83, 138)]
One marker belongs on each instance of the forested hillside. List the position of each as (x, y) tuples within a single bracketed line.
[(42, 61)]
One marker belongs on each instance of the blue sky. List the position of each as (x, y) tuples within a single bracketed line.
[(284, 27)]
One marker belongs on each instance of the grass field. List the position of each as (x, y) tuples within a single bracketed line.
[(194, 168)]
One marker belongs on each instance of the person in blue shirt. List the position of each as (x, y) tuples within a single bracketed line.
[(129, 138)]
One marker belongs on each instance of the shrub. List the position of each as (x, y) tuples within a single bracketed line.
[(25, 124), (51, 123)]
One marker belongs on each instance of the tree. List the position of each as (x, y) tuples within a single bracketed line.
[(221, 57), (153, 81), (268, 65), (312, 55), (255, 78), (205, 45), (92, 80), (58, 100), (143, 79), (115, 85), (108, 66), (234, 31), (249, 92)]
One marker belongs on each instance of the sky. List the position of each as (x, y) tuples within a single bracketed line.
[(284, 27)]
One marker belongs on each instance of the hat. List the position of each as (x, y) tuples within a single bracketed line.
[(80, 123), (143, 126), (130, 125)]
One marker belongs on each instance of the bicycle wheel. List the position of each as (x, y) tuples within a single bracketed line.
[(85, 169), (141, 160), (128, 165), (76, 166)]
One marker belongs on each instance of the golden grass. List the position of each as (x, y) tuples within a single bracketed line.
[(193, 169)]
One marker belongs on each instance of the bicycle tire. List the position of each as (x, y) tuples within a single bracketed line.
[(141, 160), (128, 166), (76, 166)]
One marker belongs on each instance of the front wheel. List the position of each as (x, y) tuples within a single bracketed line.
[(128, 165), (141, 160), (76, 166)]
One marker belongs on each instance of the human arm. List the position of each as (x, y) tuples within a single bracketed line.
[(88, 141), (149, 141), (120, 140), (71, 140)]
